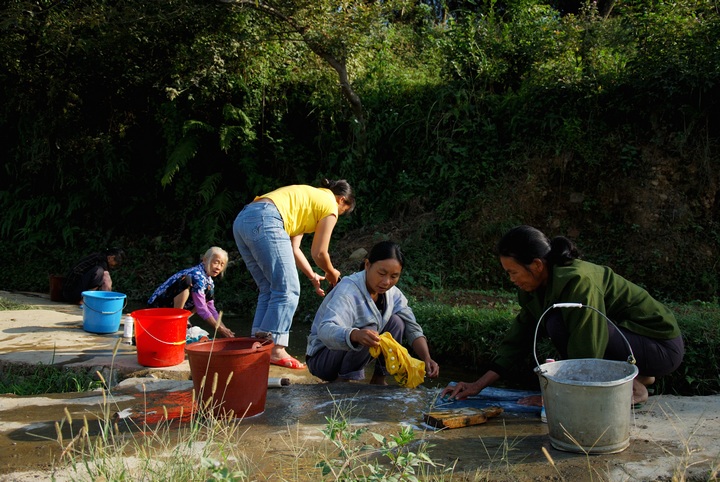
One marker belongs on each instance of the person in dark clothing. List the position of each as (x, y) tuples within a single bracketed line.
[(92, 273)]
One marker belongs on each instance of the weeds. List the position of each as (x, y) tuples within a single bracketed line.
[(109, 448), (356, 459), (6, 305), (40, 379)]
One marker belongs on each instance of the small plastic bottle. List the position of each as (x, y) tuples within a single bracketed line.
[(543, 415), (128, 330)]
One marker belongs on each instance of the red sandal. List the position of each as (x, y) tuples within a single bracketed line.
[(288, 362)]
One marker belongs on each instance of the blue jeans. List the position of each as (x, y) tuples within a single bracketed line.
[(329, 365), (267, 252)]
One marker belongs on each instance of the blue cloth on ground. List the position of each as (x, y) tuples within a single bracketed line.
[(505, 398)]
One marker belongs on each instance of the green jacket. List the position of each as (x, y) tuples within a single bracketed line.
[(625, 303)]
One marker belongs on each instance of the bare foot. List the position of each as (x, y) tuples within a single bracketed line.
[(378, 380), (278, 353), (640, 391)]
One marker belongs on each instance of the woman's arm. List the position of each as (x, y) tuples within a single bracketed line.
[(463, 390), (344, 321), (207, 312), (304, 265), (319, 249)]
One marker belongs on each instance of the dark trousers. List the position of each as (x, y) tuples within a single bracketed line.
[(329, 365), (91, 280), (654, 357)]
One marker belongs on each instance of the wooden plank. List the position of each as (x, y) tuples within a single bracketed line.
[(461, 417)]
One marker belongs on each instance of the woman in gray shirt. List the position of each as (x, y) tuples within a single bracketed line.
[(354, 314)]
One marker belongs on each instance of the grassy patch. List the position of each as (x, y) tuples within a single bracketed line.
[(6, 305), (40, 379), (699, 373)]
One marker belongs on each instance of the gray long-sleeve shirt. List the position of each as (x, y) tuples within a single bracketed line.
[(349, 307)]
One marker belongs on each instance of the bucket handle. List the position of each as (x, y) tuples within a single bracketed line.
[(631, 359), (107, 312), (174, 343), (259, 344)]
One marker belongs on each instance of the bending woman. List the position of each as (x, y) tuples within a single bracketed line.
[(92, 273), (193, 289), (354, 314), (549, 272), (268, 233)]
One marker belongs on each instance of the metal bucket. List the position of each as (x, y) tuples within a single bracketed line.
[(588, 404), (588, 401)]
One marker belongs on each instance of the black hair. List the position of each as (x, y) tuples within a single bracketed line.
[(119, 254), (525, 243), (385, 250), (341, 188)]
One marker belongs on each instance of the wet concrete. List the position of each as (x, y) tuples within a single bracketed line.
[(668, 435)]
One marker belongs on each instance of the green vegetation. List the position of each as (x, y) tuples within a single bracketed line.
[(40, 379), (358, 460), (6, 304), (698, 374), (27, 379), (149, 125)]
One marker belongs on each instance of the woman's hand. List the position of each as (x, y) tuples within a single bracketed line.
[(315, 280), (460, 391), (432, 369), (365, 337), (531, 401), (333, 277), (225, 332)]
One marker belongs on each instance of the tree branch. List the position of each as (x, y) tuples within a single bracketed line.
[(336, 63)]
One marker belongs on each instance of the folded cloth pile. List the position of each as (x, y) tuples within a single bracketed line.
[(408, 371)]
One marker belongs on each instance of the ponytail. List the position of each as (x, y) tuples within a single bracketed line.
[(526, 243), (562, 251), (341, 188)]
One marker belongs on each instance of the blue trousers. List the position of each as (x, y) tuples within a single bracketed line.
[(265, 248)]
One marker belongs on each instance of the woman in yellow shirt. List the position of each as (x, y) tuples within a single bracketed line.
[(268, 232)]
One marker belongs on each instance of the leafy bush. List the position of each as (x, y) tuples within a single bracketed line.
[(699, 373)]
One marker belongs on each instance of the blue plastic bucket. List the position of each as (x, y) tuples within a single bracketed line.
[(102, 311)]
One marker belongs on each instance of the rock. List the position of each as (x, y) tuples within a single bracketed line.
[(358, 255)]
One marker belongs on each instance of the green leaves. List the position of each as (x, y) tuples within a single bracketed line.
[(355, 460)]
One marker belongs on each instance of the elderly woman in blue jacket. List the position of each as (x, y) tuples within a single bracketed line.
[(354, 314)]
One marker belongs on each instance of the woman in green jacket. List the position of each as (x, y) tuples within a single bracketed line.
[(549, 272)]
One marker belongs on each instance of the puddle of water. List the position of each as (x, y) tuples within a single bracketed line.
[(242, 324)]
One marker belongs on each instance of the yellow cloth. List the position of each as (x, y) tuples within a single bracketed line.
[(302, 207), (408, 371)]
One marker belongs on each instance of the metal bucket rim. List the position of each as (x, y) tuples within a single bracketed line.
[(587, 383)]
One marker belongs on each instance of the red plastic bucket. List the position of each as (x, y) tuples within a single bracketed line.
[(160, 336), (247, 359)]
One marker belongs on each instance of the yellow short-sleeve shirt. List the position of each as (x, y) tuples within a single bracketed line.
[(302, 207)]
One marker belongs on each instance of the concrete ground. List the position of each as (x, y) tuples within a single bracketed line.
[(672, 438)]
